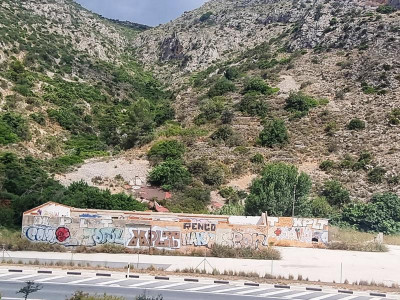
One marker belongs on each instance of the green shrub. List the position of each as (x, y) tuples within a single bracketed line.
[(39, 118), (17, 125), (257, 84), (327, 165), (320, 208), (257, 159), (190, 200), (231, 210), (376, 175), (204, 17), (381, 214), (223, 133), (335, 193), (274, 133), (221, 87), (394, 116), (385, 9), (215, 176), (211, 109), (164, 150), (79, 295), (300, 103), (6, 134), (253, 105), (231, 73), (356, 124), (171, 173)]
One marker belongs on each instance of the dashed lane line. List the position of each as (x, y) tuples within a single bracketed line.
[(82, 280), (112, 281), (171, 285), (273, 293), (143, 283), (204, 287), (299, 294), (22, 277), (50, 278), (252, 291), (323, 296), (349, 297), (232, 289)]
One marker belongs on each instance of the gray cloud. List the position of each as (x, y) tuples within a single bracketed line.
[(149, 12)]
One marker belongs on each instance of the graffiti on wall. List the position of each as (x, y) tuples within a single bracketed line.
[(47, 234), (237, 239), (155, 237)]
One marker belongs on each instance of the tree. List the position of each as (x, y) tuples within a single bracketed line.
[(221, 87), (274, 133), (257, 84), (166, 149), (29, 288), (280, 184), (300, 103), (171, 173), (335, 193)]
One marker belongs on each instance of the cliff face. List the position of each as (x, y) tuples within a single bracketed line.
[(344, 51)]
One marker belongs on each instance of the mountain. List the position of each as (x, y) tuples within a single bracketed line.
[(312, 83), (70, 87), (344, 53)]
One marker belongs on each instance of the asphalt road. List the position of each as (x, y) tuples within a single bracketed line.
[(61, 287)]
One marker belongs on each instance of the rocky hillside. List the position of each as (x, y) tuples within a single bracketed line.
[(69, 86), (342, 54)]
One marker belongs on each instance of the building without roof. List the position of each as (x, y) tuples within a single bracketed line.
[(54, 223)]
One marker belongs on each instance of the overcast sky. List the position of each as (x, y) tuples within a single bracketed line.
[(148, 12)]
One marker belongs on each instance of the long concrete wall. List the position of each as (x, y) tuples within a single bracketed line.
[(57, 224)]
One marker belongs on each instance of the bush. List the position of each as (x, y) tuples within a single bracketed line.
[(257, 84), (268, 253), (231, 73), (335, 193), (39, 118), (206, 16), (257, 159), (331, 128), (164, 150), (171, 173), (211, 110), (86, 296), (215, 176), (320, 208), (394, 117), (253, 105), (381, 214), (356, 124), (300, 103), (385, 9), (223, 133), (231, 210), (221, 87), (280, 184), (327, 165), (274, 133), (190, 200), (376, 175)]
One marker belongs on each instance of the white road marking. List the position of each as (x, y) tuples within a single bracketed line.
[(171, 285), (22, 277), (50, 278), (112, 281), (251, 291), (323, 297), (5, 274), (274, 293), (299, 294), (202, 287), (143, 283), (349, 297), (82, 280), (232, 289)]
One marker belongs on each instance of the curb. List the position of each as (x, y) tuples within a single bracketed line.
[(103, 274), (15, 271), (279, 286), (74, 273), (221, 281), (44, 272), (251, 284), (191, 280), (345, 292), (377, 295), (313, 289), (161, 278)]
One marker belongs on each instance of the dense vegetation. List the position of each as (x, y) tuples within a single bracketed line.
[(24, 185)]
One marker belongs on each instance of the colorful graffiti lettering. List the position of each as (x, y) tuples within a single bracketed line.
[(108, 235), (156, 237), (238, 239), (199, 226), (41, 234), (198, 239)]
